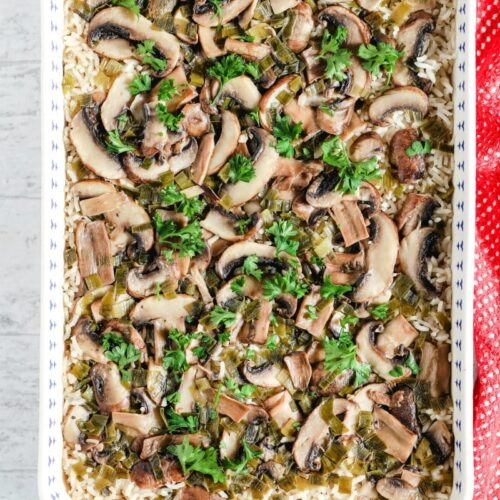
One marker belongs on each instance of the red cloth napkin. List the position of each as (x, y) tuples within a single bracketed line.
[(487, 264)]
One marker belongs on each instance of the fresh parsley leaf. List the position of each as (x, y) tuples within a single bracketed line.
[(158, 291), (332, 41), (240, 466), (175, 422), (128, 4), (171, 195), (412, 364), (244, 391), (250, 354), (329, 291), (419, 148), (351, 174), (254, 115), (121, 352), (168, 119), (116, 145), (383, 56), (318, 261), (284, 232), (175, 359), (225, 69), (243, 224), (272, 342), (224, 337), (140, 83), (198, 459), (311, 312), (286, 133), (146, 51), (173, 398), (169, 255), (340, 355), (237, 285), (349, 320), (251, 267), (167, 89), (380, 312), (219, 316), (397, 371), (337, 59), (218, 7), (287, 283), (253, 69), (240, 169), (187, 240)]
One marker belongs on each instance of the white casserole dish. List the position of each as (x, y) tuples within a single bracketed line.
[(50, 477)]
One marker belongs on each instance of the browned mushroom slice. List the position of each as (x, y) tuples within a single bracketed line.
[(305, 211), (325, 383), (402, 406), (300, 369), (137, 424), (226, 225), (435, 368), (256, 331), (360, 80), (270, 101), (398, 332), (396, 99), (242, 90), (235, 410), (416, 212), (70, 430), (399, 441), (299, 28), (441, 440), (366, 146), (394, 488), (187, 399), (321, 192), (88, 340), (207, 41), (192, 493), (95, 258), (419, 245), (336, 117), (142, 474), (227, 142), (116, 101), (356, 127), (313, 322), (115, 24), (307, 449), (282, 408), (199, 168), (381, 257), (263, 375), (280, 6), (344, 268), (206, 14), (358, 31), (251, 288), (109, 392), (195, 121), (185, 157), (408, 168), (369, 5), (171, 311), (248, 50), (411, 36), (404, 76), (350, 221), (315, 67)]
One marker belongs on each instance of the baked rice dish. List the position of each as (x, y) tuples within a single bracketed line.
[(258, 244)]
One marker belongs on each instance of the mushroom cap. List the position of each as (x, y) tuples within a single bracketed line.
[(366, 146), (109, 392), (394, 488), (416, 212), (142, 474), (358, 31), (205, 14), (408, 168), (224, 224), (170, 310), (133, 164), (227, 142), (263, 375), (411, 35), (301, 27), (243, 90), (300, 369), (88, 340), (321, 192), (116, 101)]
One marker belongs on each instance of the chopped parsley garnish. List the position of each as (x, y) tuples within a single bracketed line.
[(397, 371), (237, 285), (121, 352), (168, 119), (351, 174), (383, 56), (198, 459), (175, 359), (412, 364), (224, 337), (272, 342), (244, 391), (337, 59), (286, 133), (176, 422), (251, 267), (253, 69), (380, 312), (287, 283), (167, 89), (188, 206), (243, 224), (128, 4), (340, 355), (284, 232), (240, 169), (221, 316), (218, 7), (419, 148), (146, 51), (140, 83), (311, 312), (187, 240), (349, 320), (158, 291), (240, 466), (116, 145), (329, 291), (254, 115)]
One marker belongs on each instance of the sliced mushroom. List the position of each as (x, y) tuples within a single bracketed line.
[(199, 168), (226, 225), (263, 375), (396, 99), (282, 408), (187, 401), (394, 488), (88, 340), (362, 400), (408, 168), (192, 493), (207, 41), (183, 28), (228, 140), (74, 416), (366, 146), (441, 440), (305, 114), (248, 50), (416, 212), (205, 13), (336, 117), (435, 368), (350, 221), (230, 443), (381, 257), (403, 407), (369, 5), (171, 311), (235, 410), (399, 441), (358, 31), (256, 331), (118, 24), (411, 36), (116, 101), (142, 474), (138, 424), (405, 75), (345, 268), (300, 369), (325, 385), (109, 392), (321, 192), (300, 27), (280, 6), (185, 157), (360, 80), (415, 249), (251, 288), (270, 102), (398, 332), (196, 122), (87, 135), (243, 91), (302, 209), (313, 325), (307, 448)]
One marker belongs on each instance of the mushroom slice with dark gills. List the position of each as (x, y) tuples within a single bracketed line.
[(398, 439), (307, 448), (113, 33), (325, 384), (335, 117), (116, 101), (251, 288), (300, 369), (265, 161), (207, 41), (299, 29), (126, 330), (263, 375), (345, 268), (321, 192), (109, 392), (143, 476), (234, 256), (405, 75), (408, 168), (227, 142), (230, 226), (88, 136), (280, 6), (302, 209), (419, 245), (89, 340), (313, 323), (358, 31), (411, 36), (394, 488), (241, 89), (192, 493), (70, 430), (416, 212), (206, 14), (435, 368), (143, 170), (397, 99), (441, 440), (397, 334), (381, 256), (403, 407), (366, 146)]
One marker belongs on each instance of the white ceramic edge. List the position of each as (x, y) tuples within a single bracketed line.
[(50, 478)]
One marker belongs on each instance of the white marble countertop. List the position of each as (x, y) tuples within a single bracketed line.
[(19, 246)]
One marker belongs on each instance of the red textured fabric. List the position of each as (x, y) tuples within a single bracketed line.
[(487, 279)]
